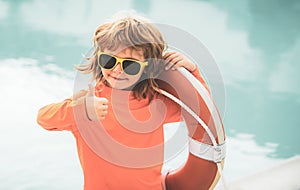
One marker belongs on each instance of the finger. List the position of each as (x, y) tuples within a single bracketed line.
[(79, 94), (102, 110), (171, 56), (173, 59), (104, 113), (101, 100), (90, 90), (167, 59), (176, 60), (173, 64), (178, 64), (102, 117), (170, 66), (167, 54), (104, 106)]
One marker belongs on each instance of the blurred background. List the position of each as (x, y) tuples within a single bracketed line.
[(256, 46)]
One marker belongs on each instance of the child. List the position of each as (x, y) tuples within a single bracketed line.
[(122, 117)]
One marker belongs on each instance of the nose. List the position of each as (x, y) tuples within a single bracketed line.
[(118, 68)]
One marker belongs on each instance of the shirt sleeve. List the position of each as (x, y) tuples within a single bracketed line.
[(57, 116), (60, 116)]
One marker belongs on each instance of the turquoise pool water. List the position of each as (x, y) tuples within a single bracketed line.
[(256, 45)]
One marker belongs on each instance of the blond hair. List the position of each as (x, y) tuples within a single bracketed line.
[(129, 31)]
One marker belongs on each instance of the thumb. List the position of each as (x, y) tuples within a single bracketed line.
[(91, 90)]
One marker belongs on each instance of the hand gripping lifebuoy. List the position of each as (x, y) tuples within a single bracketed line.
[(206, 133)]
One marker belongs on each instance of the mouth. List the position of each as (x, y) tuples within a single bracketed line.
[(117, 78)]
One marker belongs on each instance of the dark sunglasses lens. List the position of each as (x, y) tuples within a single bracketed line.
[(107, 61), (131, 67)]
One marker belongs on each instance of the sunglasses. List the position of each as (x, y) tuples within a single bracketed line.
[(129, 66)]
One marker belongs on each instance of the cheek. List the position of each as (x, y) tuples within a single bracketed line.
[(105, 73), (134, 79)]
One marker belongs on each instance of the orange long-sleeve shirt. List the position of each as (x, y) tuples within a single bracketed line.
[(123, 151)]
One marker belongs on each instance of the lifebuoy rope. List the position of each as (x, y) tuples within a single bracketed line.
[(208, 101)]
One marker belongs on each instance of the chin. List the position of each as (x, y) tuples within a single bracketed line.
[(119, 86)]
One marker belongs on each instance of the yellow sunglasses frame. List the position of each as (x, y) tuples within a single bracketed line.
[(120, 60)]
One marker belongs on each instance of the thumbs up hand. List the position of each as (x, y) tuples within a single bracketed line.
[(96, 108)]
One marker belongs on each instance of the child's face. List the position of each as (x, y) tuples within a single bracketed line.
[(116, 77)]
